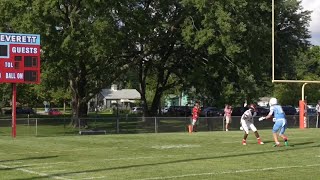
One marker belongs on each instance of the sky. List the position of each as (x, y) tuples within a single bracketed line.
[(313, 5)]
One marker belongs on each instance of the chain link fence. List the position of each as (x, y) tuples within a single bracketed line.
[(129, 125)]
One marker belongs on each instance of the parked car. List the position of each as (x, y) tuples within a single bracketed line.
[(311, 112), (136, 110), (179, 111), (54, 112), (262, 111), (238, 111), (289, 110), (20, 110), (165, 110), (211, 111)]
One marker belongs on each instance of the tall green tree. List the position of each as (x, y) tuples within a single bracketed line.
[(159, 55), (81, 42), (236, 36)]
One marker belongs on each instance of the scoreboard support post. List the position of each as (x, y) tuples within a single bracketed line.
[(14, 112)]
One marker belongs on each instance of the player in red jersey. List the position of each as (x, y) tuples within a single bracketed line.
[(195, 115)]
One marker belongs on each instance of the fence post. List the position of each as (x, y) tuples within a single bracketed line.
[(117, 124), (223, 124), (317, 123), (155, 125), (79, 125), (36, 126)]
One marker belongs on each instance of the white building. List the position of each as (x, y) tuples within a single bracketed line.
[(124, 98)]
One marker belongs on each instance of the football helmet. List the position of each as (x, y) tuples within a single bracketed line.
[(253, 107), (273, 101)]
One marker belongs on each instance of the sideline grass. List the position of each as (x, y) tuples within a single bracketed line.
[(202, 155)]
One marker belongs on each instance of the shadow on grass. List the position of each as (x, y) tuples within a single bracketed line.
[(28, 158), (172, 162), (300, 144)]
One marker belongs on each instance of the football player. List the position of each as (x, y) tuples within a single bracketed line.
[(195, 116), (280, 122), (247, 124)]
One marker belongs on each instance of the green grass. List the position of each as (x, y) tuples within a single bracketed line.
[(201, 155)]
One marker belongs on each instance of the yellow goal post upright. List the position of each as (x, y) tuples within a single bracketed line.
[(302, 102)]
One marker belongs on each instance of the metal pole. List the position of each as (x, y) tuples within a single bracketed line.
[(14, 113), (155, 125), (302, 91), (223, 124), (37, 127), (79, 125), (296, 81), (302, 109), (272, 40), (117, 117)]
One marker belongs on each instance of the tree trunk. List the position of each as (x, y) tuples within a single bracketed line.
[(79, 103)]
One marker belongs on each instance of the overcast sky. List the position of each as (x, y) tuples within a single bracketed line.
[(313, 5)]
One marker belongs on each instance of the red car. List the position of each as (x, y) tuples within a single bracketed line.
[(54, 112)]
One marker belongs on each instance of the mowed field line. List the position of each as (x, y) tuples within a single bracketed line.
[(228, 172), (22, 164), (33, 172), (40, 165), (169, 177), (103, 148), (62, 151)]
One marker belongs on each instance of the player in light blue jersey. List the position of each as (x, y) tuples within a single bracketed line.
[(279, 119)]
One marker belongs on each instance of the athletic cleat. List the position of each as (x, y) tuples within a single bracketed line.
[(260, 142), (244, 142), (276, 145), (286, 143)]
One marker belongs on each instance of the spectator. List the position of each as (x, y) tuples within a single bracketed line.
[(227, 115), (318, 113), (195, 117)]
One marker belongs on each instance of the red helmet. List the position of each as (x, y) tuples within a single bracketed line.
[(253, 107)]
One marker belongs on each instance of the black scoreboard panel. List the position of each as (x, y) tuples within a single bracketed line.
[(3, 50), (30, 61), (17, 61), (18, 58), (30, 76)]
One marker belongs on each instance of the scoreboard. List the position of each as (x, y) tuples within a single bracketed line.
[(19, 58)]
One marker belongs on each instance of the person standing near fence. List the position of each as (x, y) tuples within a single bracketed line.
[(318, 113), (227, 115), (195, 117)]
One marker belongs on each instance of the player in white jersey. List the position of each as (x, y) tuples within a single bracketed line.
[(280, 122), (247, 124)]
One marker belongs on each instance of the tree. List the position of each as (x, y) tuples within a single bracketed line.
[(236, 37), (81, 42), (291, 38), (159, 56)]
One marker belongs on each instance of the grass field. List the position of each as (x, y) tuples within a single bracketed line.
[(201, 155)]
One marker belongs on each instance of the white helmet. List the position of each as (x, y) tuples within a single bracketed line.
[(273, 101)]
